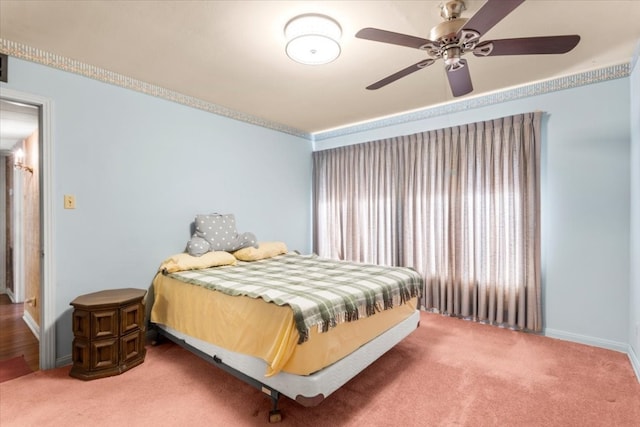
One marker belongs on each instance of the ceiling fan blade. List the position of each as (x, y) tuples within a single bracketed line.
[(402, 73), (391, 37), (492, 12), (527, 46), (459, 78)]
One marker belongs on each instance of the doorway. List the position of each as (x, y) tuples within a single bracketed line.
[(20, 142), (27, 237)]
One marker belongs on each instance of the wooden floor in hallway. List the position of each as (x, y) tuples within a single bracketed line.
[(15, 336)]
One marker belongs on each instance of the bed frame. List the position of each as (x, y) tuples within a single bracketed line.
[(309, 390)]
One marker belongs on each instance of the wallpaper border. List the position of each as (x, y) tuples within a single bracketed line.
[(28, 53)]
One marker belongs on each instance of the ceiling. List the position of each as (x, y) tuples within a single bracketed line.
[(231, 53)]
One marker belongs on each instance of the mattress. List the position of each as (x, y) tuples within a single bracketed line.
[(264, 331)]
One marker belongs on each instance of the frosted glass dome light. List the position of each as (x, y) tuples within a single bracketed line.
[(312, 39)]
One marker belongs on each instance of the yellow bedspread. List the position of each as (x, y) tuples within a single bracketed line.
[(260, 329)]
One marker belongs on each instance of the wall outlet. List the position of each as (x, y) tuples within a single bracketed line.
[(69, 201)]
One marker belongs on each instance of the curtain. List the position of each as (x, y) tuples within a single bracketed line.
[(460, 205)]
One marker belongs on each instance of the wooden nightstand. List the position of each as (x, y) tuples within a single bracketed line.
[(108, 333)]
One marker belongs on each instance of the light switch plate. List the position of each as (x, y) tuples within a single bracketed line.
[(69, 201)]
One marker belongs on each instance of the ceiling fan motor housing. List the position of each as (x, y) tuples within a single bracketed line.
[(448, 42), (447, 31)]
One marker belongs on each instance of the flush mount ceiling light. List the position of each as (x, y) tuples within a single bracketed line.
[(312, 39)]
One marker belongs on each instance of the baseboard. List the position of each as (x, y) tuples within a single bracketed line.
[(11, 295), (64, 361), (622, 347), (31, 323), (597, 342), (635, 362)]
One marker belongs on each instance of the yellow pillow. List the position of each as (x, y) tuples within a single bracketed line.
[(184, 261), (263, 251)]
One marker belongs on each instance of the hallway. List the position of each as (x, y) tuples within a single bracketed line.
[(15, 336)]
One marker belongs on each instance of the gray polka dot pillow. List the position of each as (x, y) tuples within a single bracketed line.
[(217, 232)]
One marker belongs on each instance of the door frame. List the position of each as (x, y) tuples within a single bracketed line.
[(47, 297), (17, 238)]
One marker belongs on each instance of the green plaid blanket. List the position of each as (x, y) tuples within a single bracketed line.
[(321, 292)]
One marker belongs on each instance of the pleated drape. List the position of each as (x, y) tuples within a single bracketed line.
[(461, 205)]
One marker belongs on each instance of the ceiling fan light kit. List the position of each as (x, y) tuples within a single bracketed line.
[(313, 39), (456, 36)]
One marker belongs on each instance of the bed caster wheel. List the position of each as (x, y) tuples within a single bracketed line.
[(157, 339), (275, 416)]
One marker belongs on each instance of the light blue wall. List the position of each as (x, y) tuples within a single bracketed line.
[(141, 168), (634, 300), (585, 204)]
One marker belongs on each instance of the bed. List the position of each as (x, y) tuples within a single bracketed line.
[(288, 324)]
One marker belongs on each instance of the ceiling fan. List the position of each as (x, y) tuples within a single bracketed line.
[(456, 36)]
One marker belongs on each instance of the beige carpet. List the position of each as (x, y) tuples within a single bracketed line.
[(447, 373)]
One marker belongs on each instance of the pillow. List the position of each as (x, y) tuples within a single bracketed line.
[(263, 251), (198, 246), (217, 232), (184, 261)]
